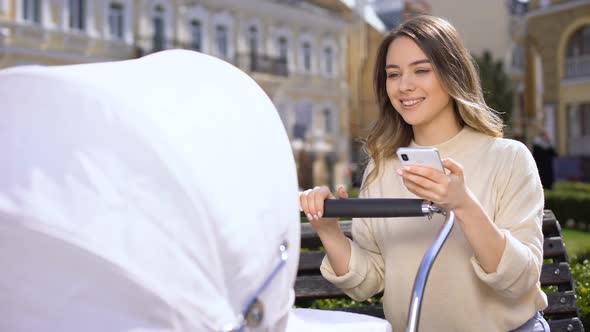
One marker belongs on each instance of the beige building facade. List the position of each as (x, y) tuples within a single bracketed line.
[(64, 32), (363, 102), (364, 35), (558, 72)]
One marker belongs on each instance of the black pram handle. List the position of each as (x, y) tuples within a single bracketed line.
[(375, 208)]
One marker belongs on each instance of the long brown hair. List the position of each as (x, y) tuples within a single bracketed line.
[(456, 70)]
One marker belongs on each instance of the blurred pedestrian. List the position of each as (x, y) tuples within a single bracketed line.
[(544, 154)]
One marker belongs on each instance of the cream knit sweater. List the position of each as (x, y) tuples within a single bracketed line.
[(459, 295)]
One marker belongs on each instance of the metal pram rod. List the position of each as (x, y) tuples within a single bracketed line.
[(394, 208)]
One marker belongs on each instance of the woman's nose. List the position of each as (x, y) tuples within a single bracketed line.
[(406, 83)]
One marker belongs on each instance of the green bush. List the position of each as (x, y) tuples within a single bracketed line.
[(353, 192), (343, 303), (581, 274), (579, 187), (569, 205)]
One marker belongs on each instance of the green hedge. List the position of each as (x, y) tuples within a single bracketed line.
[(344, 303), (568, 205), (580, 187)]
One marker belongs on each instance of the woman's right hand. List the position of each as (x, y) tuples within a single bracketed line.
[(311, 203), (336, 244)]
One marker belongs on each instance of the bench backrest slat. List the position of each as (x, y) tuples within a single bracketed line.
[(556, 274), (561, 304)]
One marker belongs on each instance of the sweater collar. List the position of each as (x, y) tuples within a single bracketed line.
[(456, 144)]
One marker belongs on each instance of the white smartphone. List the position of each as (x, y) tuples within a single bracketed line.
[(420, 156)]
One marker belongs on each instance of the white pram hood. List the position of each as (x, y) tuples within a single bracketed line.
[(142, 195)]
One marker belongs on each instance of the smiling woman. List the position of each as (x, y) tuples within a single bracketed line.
[(429, 94)]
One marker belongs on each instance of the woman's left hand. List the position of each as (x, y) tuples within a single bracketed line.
[(446, 190)]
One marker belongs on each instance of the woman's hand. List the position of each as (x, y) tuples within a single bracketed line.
[(336, 244), (446, 190), (450, 192), (311, 202)]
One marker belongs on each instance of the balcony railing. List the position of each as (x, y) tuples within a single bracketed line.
[(147, 45), (254, 62), (578, 66), (259, 63)]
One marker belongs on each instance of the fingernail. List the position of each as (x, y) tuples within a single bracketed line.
[(309, 217), (399, 172), (316, 217), (407, 168), (320, 214)]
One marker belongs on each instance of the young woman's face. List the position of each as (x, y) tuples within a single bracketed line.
[(414, 88)]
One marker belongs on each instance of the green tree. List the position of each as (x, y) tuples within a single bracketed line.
[(497, 87)]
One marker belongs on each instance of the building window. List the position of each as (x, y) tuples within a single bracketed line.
[(196, 35), (221, 39), (303, 120), (283, 49), (518, 57), (518, 7), (116, 15), (329, 127), (306, 56), (329, 60), (579, 43), (77, 14), (32, 11), (578, 54), (584, 119), (159, 25), (579, 120), (253, 39)]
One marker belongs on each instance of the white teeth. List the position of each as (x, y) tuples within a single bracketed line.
[(411, 102)]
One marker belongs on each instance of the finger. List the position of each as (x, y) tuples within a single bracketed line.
[(342, 192), (303, 201), (312, 202), (427, 188), (418, 179), (421, 192), (322, 194), (427, 172), (453, 166)]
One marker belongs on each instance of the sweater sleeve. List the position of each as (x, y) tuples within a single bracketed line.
[(519, 216), (365, 276)]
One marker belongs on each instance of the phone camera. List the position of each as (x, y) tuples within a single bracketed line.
[(405, 157)]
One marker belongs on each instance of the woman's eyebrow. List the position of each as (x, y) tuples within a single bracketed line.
[(417, 62)]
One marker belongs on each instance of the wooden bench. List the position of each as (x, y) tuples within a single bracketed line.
[(556, 277)]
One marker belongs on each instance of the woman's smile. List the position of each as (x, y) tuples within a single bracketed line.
[(410, 103)]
